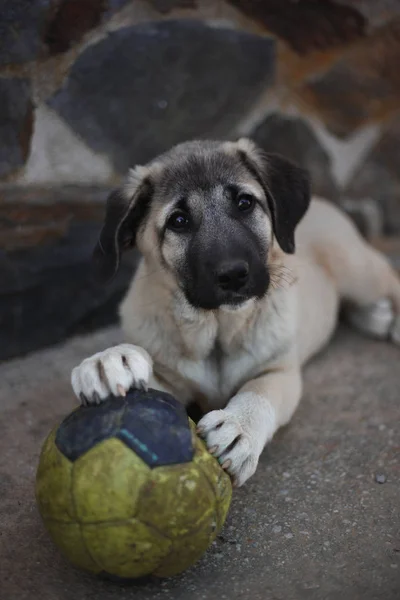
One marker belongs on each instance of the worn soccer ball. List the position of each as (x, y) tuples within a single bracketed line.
[(128, 489)]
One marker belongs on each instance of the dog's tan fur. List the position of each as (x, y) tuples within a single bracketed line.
[(243, 366)]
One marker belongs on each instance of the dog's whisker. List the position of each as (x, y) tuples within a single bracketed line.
[(281, 277)]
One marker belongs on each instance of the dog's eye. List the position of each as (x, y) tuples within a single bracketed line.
[(178, 221), (245, 202)]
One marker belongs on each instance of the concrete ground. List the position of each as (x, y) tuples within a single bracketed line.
[(320, 519)]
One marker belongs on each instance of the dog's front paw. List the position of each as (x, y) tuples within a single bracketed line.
[(113, 371), (226, 439)]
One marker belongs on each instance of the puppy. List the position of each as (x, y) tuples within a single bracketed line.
[(222, 310)]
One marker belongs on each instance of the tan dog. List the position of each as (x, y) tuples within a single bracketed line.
[(222, 311)]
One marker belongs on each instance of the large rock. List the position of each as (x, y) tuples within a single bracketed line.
[(362, 86), (310, 26), (22, 25), (31, 29), (338, 57), (74, 18), (16, 122), (293, 138), (47, 290), (147, 87), (166, 6), (376, 12), (307, 25), (378, 177), (71, 21)]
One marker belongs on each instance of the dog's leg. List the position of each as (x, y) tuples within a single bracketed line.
[(373, 290), (375, 319), (113, 371), (237, 434)]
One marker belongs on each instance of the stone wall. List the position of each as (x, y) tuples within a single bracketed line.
[(88, 88)]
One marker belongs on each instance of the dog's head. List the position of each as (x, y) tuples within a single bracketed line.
[(207, 213)]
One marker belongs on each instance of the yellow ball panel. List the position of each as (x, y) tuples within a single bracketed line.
[(187, 551), (129, 549), (69, 540), (176, 499), (53, 483), (224, 498), (218, 478), (192, 425), (107, 481)]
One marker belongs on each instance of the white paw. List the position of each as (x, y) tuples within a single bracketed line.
[(236, 450), (113, 371), (375, 319)]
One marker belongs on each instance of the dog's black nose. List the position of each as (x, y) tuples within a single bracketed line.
[(232, 276)]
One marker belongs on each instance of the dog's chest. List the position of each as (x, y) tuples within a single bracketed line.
[(228, 361), (210, 378)]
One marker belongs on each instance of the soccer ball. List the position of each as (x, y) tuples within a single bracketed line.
[(128, 489)]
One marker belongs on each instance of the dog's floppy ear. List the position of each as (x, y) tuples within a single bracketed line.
[(126, 209), (286, 186)]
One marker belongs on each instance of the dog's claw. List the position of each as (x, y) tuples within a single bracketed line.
[(142, 385), (96, 398), (121, 390), (226, 464)]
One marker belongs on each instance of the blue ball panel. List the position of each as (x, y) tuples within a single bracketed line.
[(156, 427), (88, 426), (153, 424)]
